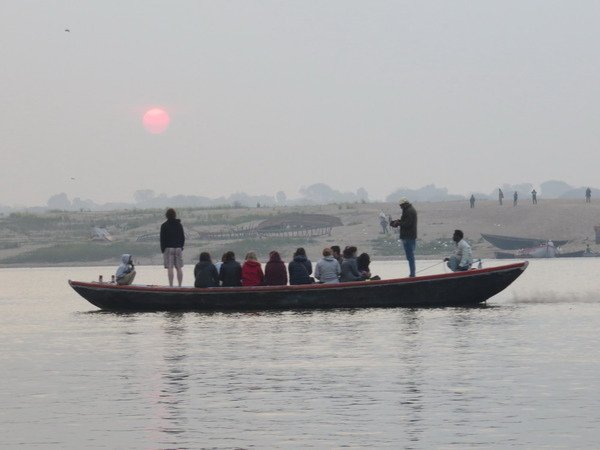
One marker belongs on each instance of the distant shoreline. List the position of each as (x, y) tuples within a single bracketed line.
[(48, 235)]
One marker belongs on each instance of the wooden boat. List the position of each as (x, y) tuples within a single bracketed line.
[(448, 289), (547, 250), (525, 254), (505, 255), (516, 243)]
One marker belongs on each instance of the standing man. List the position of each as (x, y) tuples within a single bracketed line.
[(588, 195), (172, 240), (408, 232), (472, 201), (515, 198), (500, 196), (534, 197)]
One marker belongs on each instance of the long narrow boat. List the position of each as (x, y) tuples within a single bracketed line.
[(517, 243), (448, 289)]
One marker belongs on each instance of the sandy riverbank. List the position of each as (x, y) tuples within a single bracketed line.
[(571, 220)]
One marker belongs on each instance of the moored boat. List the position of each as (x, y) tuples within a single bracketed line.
[(517, 243), (449, 289)]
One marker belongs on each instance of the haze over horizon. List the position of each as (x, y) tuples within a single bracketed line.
[(267, 96)]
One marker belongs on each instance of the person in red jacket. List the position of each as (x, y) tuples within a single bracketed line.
[(252, 273), (275, 271)]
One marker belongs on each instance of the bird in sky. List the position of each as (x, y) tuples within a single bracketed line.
[(67, 30)]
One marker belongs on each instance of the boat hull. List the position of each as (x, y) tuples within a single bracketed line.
[(516, 243), (452, 289)]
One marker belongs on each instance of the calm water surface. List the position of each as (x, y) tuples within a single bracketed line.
[(519, 373)]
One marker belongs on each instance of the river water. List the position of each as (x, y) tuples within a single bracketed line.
[(521, 372)]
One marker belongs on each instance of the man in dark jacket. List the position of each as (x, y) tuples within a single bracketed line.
[(300, 268), (408, 232), (172, 240), (205, 273), (230, 272)]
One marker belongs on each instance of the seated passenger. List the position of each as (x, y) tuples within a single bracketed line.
[(328, 269), (126, 270), (205, 273), (300, 268), (336, 252), (218, 263), (230, 273), (252, 273), (350, 267), (462, 258), (363, 261), (275, 272)]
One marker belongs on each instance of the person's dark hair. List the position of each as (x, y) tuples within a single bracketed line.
[(170, 214), (229, 256), (300, 252), (349, 251), (459, 233), (205, 256), (336, 249), (363, 261), (326, 251), (274, 256)]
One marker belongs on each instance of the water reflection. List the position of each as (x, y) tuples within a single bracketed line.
[(173, 397), (411, 402)]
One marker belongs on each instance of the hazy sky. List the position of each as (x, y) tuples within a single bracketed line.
[(274, 95)]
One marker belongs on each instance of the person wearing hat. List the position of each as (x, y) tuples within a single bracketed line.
[(408, 231), (463, 257)]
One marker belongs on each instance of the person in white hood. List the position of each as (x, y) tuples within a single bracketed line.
[(328, 269), (126, 271)]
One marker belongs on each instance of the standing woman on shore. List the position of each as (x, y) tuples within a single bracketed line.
[(172, 240)]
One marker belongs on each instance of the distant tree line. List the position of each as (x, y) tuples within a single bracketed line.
[(315, 194)]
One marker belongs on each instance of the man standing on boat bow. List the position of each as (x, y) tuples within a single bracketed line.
[(172, 240), (408, 231)]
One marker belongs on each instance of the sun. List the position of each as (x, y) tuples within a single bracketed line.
[(156, 120)]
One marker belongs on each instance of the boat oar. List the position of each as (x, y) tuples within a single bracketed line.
[(427, 268)]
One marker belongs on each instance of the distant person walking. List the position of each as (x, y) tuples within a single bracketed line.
[(588, 195), (383, 221), (408, 232), (472, 201), (172, 240), (534, 197), (500, 196), (515, 198)]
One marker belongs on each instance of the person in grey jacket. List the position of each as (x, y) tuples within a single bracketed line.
[(328, 269), (350, 266)]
